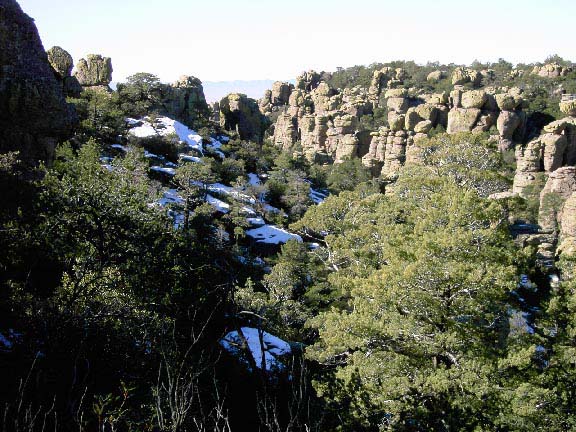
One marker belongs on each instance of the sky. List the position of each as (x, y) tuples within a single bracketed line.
[(224, 40)]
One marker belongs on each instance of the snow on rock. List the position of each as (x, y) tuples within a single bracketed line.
[(165, 170), (189, 158), (272, 234), (255, 221), (219, 205), (171, 196), (164, 126), (253, 340)]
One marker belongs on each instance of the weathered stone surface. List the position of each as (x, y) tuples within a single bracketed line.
[(185, 101), (93, 71), (554, 149), (33, 113), (509, 122), (397, 104), (423, 127), (568, 107), (567, 219), (280, 94), (551, 70), (474, 99), (462, 119), (308, 81), (560, 186), (241, 114), (285, 131), (507, 102), (396, 121), (61, 61), (435, 76), (463, 76)]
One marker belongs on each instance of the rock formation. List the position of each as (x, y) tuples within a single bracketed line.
[(185, 101), (62, 63), (241, 114), (276, 98), (551, 70), (94, 71), (553, 149), (33, 113)]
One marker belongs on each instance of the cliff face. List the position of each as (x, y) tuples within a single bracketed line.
[(33, 112)]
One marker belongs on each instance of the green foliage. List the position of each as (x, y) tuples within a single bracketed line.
[(347, 175)]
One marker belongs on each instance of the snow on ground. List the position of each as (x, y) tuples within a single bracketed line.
[(253, 179), (228, 190), (219, 205), (119, 147), (189, 158), (164, 126), (274, 347), (317, 197), (270, 209), (272, 234), (165, 170)]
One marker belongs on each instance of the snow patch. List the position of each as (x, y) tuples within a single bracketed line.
[(272, 234)]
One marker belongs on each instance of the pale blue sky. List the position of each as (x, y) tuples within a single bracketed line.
[(269, 39)]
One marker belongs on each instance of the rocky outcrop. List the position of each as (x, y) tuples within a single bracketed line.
[(384, 78), (62, 64), (462, 76), (551, 70), (184, 100), (567, 219), (241, 114), (33, 113), (436, 76), (276, 98), (94, 71)]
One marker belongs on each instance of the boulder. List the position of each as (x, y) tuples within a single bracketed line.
[(94, 71), (506, 101), (423, 127), (435, 76), (397, 104), (462, 119), (474, 99), (61, 61), (508, 122)]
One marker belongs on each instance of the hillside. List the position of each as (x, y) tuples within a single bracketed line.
[(383, 247)]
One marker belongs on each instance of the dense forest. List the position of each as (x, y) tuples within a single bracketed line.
[(173, 266)]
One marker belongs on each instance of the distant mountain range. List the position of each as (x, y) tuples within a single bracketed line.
[(216, 90)]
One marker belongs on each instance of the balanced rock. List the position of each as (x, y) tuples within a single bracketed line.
[(61, 61)]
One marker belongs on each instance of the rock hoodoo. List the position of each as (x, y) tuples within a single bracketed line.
[(94, 71), (241, 114)]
